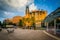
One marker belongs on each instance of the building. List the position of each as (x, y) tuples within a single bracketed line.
[(16, 19), (7, 21), (52, 21), (37, 15), (34, 17)]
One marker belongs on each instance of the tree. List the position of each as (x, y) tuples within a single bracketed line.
[(10, 23), (21, 23), (24, 20), (29, 22), (4, 24), (0, 23), (0, 26), (33, 22)]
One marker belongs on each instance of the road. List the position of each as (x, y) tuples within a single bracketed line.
[(25, 34)]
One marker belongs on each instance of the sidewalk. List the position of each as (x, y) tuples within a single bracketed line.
[(52, 32)]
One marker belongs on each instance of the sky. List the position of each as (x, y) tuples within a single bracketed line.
[(11, 8)]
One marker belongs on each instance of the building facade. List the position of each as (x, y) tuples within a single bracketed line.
[(52, 21), (31, 18), (37, 16)]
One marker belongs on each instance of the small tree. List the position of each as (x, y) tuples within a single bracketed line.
[(0, 23), (34, 26), (4, 24), (10, 23), (33, 22), (21, 23)]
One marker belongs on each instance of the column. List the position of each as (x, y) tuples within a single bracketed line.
[(47, 26), (54, 26), (40, 24)]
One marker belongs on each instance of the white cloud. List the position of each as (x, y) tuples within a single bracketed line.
[(6, 13), (32, 7), (9, 14), (17, 4), (9, 6), (14, 4)]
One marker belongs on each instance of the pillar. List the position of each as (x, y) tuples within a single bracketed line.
[(40, 24), (54, 26), (47, 26)]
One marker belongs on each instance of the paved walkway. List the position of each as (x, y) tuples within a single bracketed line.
[(52, 33), (25, 34)]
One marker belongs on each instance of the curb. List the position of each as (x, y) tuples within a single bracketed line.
[(51, 35)]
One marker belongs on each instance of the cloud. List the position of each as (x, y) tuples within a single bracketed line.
[(32, 7), (8, 13), (10, 8), (12, 5), (2, 15)]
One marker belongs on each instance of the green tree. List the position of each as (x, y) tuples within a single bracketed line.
[(10, 23), (33, 22), (28, 20), (4, 24), (0, 23), (24, 20), (21, 23)]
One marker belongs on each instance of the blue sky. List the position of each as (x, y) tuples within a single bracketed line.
[(49, 5), (11, 8)]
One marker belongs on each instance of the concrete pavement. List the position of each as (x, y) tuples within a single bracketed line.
[(25, 34)]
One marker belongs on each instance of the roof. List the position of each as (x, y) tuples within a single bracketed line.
[(53, 15), (37, 11)]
